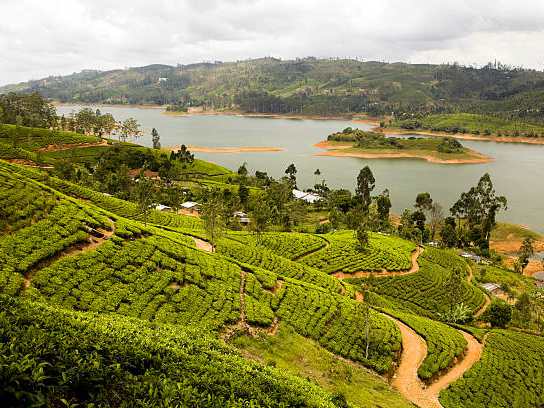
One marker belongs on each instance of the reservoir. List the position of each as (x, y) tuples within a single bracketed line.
[(517, 170)]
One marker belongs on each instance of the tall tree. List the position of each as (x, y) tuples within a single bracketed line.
[(212, 215), (436, 217), (424, 202), (526, 251), (478, 209), (383, 204), (144, 194), (291, 172), (365, 185), (155, 138), (129, 128)]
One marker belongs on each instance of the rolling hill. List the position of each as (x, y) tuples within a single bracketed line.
[(308, 86)]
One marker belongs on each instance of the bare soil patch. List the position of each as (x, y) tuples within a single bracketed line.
[(242, 149), (203, 245), (61, 147)]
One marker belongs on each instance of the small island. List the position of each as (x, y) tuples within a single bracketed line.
[(372, 145)]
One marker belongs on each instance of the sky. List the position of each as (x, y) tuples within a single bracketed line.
[(39, 38)]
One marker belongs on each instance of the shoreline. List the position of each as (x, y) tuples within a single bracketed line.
[(266, 116), (241, 149), (337, 151), (462, 136)]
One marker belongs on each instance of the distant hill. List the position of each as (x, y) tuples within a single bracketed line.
[(308, 86)]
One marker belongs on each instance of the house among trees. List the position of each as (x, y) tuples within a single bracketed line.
[(161, 207), (135, 173), (242, 217), (190, 208), (310, 198), (492, 288)]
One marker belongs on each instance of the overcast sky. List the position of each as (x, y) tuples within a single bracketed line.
[(51, 37)]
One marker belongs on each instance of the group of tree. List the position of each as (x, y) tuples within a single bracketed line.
[(31, 110)]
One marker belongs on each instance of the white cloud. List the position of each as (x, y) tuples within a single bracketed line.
[(43, 37)]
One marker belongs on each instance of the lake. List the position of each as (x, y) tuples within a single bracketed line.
[(517, 172)]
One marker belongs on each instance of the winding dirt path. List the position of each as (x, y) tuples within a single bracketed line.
[(406, 380), (473, 353), (203, 245), (364, 274), (70, 146), (90, 244), (414, 351)]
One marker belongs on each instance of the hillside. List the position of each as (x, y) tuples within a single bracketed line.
[(103, 303), (308, 86)]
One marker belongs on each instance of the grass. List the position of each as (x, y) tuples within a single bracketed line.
[(514, 281), (507, 232), (472, 123), (305, 358)]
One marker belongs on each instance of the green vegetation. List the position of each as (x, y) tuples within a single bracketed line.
[(291, 245), (508, 375), (377, 144), (309, 86), (35, 138), (444, 344), (477, 124), (264, 258), (92, 277), (431, 292), (511, 232), (342, 254), (290, 351), (55, 357)]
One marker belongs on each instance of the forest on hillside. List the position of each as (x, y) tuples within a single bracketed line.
[(309, 86)]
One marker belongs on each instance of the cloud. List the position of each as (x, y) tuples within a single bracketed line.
[(48, 37)]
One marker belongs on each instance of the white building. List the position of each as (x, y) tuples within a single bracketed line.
[(304, 196)]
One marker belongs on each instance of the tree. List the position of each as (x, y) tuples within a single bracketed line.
[(365, 185), (454, 289), (317, 173), (291, 172), (436, 217), (155, 139), (129, 128), (144, 194), (260, 216), (424, 202), (418, 217), (362, 237), (243, 194), (383, 203), (526, 251), (183, 155), (449, 233), (523, 308), (499, 314), (212, 216), (242, 170), (478, 208)]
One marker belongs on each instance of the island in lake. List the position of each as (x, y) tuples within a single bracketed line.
[(372, 145)]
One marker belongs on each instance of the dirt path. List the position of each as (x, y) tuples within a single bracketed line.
[(325, 245), (203, 245), (473, 353), (364, 274), (406, 380), (61, 147), (414, 351), (81, 247)]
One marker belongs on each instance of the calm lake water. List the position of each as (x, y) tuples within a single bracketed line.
[(517, 172)]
